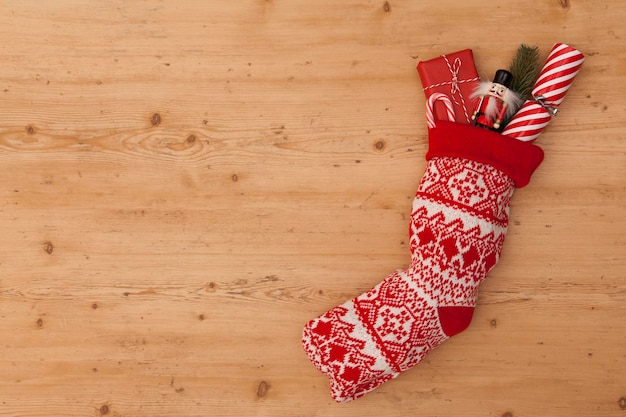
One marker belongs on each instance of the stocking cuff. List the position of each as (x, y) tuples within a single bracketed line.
[(515, 158)]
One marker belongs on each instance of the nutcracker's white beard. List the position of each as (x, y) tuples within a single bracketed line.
[(510, 98)]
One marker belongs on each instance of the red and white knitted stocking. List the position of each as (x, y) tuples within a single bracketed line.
[(458, 224)]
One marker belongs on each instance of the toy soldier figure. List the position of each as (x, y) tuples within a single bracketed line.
[(496, 101)]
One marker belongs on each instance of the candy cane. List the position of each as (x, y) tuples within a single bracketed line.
[(430, 106)]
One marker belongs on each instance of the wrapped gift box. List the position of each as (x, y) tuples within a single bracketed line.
[(454, 75)]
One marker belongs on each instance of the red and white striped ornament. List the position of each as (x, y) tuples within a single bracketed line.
[(430, 106), (557, 74), (555, 78), (529, 122)]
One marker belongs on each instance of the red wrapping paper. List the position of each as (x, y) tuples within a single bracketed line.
[(455, 76)]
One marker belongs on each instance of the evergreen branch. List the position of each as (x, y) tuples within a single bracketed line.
[(525, 69)]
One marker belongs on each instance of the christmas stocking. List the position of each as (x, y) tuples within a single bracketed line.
[(458, 223)]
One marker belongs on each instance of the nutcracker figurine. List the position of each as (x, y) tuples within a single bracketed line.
[(496, 101)]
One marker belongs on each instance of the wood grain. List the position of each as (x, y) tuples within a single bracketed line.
[(185, 184)]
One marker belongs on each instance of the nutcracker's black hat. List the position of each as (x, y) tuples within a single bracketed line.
[(503, 77)]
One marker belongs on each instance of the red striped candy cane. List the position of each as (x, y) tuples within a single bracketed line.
[(430, 105)]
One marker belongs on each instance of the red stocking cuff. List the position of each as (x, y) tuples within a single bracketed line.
[(515, 158)]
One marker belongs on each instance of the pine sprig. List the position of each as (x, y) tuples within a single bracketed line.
[(525, 69)]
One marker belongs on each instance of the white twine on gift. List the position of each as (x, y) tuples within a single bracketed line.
[(455, 89), (430, 107), (455, 75)]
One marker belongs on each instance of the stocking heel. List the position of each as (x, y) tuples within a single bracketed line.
[(455, 319)]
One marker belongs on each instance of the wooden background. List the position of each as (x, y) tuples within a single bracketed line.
[(185, 183)]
